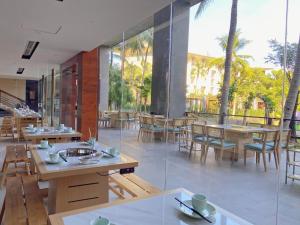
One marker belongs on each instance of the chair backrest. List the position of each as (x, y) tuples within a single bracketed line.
[(131, 115), (177, 122), (189, 121), (148, 120), (216, 132), (198, 130), (200, 122), (271, 136), (123, 115), (160, 122), (285, 138)]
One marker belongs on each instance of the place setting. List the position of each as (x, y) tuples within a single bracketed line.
[(63, 129), (197, 208), (101, 221)]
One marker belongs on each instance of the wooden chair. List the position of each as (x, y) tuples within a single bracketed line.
[(16, 155), (289, 147), (24, 202), (142, 126), (185, 137), (24, 122), (123, 119), (175, 126), (269, 145), (104, 120), (292, 163), (131, 119), (256, 136), (130, 186), (153, 127), (199, 136), (7, 127), (216, 139)]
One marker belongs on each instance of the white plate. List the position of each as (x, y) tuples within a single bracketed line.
[(207, 212)]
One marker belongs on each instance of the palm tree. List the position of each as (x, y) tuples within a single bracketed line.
[(293, 91), (228, 59)]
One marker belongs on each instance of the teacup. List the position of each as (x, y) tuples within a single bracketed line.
[(100, 221), (44, 144), (113, 151), (68, 129), (30, 126), (92, 141), (53, 156), (199, 202), (61, 126)]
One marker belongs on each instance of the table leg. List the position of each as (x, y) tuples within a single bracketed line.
[(76, 192)]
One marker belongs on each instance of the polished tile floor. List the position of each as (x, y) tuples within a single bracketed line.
[(247, 191)]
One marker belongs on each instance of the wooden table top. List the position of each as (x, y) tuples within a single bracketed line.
[(73, 166), (240, 128), (149, 210), (49, 132)]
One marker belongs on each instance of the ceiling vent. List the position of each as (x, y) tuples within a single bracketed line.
[(20, 70), (30, 48)]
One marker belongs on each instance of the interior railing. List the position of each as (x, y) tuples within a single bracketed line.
[(10, 100)]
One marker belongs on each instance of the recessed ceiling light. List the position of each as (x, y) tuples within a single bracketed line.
[(30, 48), (20, 70), (60, 0)]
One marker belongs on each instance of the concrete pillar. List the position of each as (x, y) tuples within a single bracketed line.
[(104, 77), (170, 60)]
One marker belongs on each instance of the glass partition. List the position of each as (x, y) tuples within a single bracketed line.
[(283, 54), (166, 79)]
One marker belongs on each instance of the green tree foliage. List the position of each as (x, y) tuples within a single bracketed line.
[(276, 57), (119, 92)]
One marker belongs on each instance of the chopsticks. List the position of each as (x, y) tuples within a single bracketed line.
[(107, 153), (195, 211), (63, 158)]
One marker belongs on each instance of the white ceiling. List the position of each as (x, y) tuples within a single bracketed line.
[(85, 24)]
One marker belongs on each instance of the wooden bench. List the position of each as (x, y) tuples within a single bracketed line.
[(23, 202), (15, 154), (131, 184)]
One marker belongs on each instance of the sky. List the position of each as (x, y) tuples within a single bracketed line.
[(258, 20)]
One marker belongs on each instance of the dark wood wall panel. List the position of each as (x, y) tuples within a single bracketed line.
[(69, 73), (88, 98), (86, 65)]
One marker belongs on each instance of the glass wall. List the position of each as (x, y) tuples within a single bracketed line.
[(166, 79)]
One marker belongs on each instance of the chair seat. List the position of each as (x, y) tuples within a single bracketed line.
[(176, 129), (258, 147), (225, 145), (156, 129), (257, 139), (200, 138), (283, 145)]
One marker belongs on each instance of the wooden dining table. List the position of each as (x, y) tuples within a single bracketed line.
[(50, 133), (240, 135), (74, 185), (160, 208)]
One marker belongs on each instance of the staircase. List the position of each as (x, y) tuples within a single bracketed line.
[(8, 102)]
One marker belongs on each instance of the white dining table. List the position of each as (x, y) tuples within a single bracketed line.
[(159, 209), (75, 185)]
